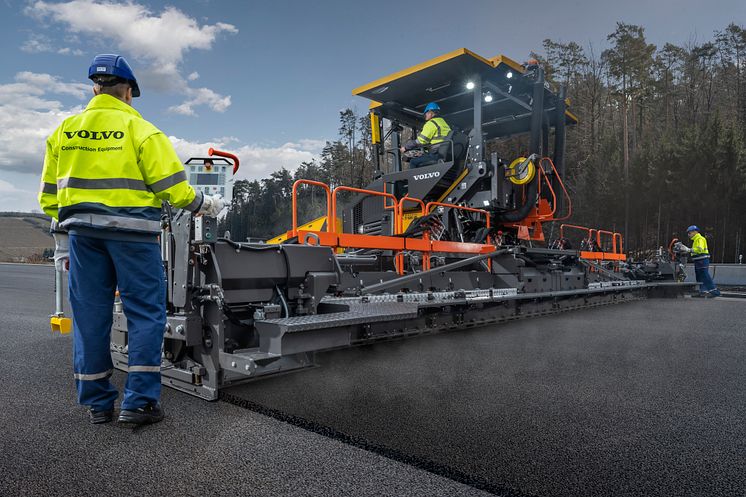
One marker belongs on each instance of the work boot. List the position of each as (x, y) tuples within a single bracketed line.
[(712, 294), (99, 417), (151, 413)]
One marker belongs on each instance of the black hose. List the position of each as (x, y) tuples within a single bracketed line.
[(532, 193), (283, 301), (240, 245)]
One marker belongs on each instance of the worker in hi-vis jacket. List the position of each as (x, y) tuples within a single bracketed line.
[(701, 258), (106, 172)]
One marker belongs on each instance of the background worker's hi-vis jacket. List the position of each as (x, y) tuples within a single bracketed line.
[(107, 169), (699, 248)]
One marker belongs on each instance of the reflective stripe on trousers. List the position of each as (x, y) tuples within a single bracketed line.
[(144, 369), (94, 376)]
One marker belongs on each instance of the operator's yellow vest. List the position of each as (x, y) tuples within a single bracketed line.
[(434, 131)]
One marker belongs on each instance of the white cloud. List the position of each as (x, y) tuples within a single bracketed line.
[(69, 51), (28, 114), (6, 188), (256, 162), (193, 76), (311, 145), (39, 43), (159, 40), (13, 198), (47, 82), (201, 96)]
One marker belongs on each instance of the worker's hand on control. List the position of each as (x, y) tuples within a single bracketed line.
[(61, 251), (402, 149), (681, 248), (212, 205)]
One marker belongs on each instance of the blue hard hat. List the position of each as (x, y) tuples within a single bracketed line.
[(693, 227), (114, 65), (431, 106)]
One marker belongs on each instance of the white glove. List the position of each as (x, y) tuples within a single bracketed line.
[(680, 247), (212, 205), (61, 251)]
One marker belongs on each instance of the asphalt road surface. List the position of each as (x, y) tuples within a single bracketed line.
[(644, 398), (48, 448)]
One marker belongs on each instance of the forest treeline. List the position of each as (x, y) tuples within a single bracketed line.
[(660, 144)]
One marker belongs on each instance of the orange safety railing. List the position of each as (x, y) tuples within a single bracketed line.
[(549, 215), (424, 247), (366, 192), (594, 237), (574, 226), (616, 248), (386, 206), (330, 219), (462, 208), (337, 240), (590, 231), (613, 239), (400, 219), (564, 190)]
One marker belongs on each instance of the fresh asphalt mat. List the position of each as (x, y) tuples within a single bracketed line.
[(645, 398)]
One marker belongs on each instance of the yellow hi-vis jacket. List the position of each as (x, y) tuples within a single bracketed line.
[(434, 131), (699, 247), (108, 168)]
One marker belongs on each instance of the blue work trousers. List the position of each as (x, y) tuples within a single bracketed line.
[(97, 268), (702, 274), (423, 160)]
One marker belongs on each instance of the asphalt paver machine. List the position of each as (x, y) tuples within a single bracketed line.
[(454, 244)]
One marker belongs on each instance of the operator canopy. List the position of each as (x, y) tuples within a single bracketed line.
[(450, 81)]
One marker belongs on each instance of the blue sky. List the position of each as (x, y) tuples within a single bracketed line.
[(266, 79)]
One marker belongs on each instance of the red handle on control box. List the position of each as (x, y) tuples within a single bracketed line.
[(227, 155)]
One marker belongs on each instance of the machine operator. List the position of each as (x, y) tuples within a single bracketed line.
[(434, 131), (106, 172)]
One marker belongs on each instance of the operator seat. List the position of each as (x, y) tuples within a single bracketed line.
[(460, 143)]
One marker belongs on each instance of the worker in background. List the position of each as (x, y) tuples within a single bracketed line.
[(106, 171), (434, 131), (701, 258)]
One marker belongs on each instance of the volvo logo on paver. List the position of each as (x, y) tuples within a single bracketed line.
[(434, 174), (94, 135)]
